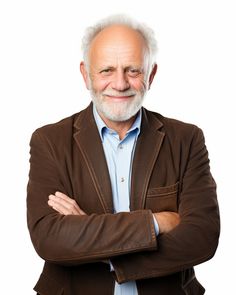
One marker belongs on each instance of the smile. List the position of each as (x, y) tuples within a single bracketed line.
[(119, 97)]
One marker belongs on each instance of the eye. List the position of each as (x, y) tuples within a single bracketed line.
[(106, 71), (134, 72)]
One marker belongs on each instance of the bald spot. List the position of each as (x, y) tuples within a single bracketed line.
[(117, 40)]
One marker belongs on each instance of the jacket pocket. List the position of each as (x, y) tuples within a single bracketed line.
[(163, 198), (48, 286)]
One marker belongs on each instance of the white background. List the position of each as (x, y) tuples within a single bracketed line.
[(40, 83)]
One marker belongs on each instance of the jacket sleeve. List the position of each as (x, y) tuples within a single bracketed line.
[(195, 239), (71, 240)]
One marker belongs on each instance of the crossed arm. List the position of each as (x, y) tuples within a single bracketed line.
[(67, 206), (127, 239)]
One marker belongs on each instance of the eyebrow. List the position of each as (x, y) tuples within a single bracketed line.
[(136, 67), (100, 69)]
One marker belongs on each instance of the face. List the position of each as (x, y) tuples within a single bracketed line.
[(117, 75)]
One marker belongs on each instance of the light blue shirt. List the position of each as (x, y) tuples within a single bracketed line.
[(119, 157)]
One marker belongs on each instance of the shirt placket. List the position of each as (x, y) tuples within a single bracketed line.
[(122, 166)]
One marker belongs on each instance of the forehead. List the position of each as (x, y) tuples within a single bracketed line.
[(117, 44)]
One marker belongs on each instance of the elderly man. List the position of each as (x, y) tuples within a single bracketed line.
[(120, 199)]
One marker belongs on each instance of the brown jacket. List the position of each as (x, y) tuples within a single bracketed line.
[(170, 172)]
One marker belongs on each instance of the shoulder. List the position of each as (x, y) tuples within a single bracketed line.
[(62, 128), (57, 135), (176, 129)]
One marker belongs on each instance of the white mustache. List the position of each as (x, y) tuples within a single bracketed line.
[(119, 94)]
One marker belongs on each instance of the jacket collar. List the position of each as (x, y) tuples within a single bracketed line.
[(147, 149)]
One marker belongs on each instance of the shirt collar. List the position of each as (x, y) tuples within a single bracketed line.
[(102, 126)]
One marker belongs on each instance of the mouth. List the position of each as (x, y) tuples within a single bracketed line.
[(120, 97)]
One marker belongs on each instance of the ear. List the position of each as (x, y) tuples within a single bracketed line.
[(84, 73), (152, 75)]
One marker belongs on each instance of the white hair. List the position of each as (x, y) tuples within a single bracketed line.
[(120, 19)]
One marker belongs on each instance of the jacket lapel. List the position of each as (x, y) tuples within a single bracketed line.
[(90, 145), (147, 149)]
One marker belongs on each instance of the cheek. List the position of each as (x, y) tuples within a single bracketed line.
[(137, 84), (100, 84)]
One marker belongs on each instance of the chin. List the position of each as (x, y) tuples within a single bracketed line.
[(117, 114), (119, 111)]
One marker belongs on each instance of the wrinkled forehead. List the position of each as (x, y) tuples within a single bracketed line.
[(118, 43)]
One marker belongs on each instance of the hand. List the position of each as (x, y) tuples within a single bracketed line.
[(167, 221), (64, 204)]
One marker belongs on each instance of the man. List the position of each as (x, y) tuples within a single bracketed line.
[(120, 199)]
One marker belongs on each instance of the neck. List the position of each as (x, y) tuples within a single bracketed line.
[(120, 127)]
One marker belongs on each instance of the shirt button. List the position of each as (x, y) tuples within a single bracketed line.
[(122, 179), (121, 147)]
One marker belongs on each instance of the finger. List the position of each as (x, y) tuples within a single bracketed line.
[(64, 206), (71, 201), (58, 207), (63, 201), (64, 197)]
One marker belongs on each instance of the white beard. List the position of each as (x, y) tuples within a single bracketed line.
[(119, 111)]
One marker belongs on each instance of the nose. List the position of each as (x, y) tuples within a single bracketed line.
[(120, 82)]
